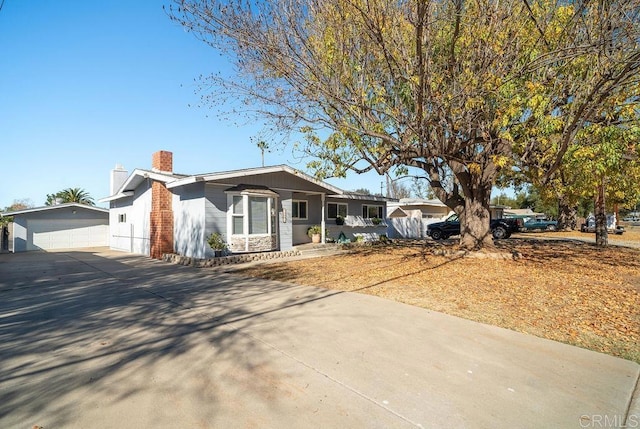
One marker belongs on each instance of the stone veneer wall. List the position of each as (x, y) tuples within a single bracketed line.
[(260, 243), (227, 260)]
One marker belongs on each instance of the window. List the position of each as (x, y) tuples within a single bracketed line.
[(299, 209), (122, 218), (258, 215), (371, 211), (253, 215), (238, 215), (336, 209)]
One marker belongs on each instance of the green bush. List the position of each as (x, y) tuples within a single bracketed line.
[(315, 229), (216, 241)]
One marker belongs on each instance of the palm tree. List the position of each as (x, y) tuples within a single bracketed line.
[(75, 195), (263, 146)]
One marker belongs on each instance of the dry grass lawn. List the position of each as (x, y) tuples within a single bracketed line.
[(559, 289)]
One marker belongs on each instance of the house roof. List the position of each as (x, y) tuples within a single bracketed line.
[(354, 196), (230, 178), (518, 212), (253, 189), (54, 207), (416, 202), (138, 176), (234, 174)]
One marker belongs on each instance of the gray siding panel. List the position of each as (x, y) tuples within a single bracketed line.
[(215, 212), (277, 181)]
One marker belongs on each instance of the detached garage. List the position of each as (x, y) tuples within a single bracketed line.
[(63, 226)]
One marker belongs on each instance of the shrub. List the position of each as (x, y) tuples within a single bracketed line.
[(216, 241), (315, 229)]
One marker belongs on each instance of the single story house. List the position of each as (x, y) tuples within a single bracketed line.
[(157, 211), (409, 217), (62, 226)]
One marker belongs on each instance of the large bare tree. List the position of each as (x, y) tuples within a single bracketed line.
[(435, 85)]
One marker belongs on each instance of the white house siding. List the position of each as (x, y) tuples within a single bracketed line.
[(19, 234), (419, 216), (11, 226), (133, 234), (411, 226), (189, 226), (285, 225)]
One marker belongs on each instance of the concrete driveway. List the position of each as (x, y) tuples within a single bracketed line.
[(108, 340)]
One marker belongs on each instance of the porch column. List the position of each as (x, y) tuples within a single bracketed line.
[(323, 238)]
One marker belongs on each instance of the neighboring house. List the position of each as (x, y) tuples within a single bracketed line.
[(63, 226), (156, 211), (409, 217), (523, 213)]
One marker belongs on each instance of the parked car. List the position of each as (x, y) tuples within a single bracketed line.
[(500, 228), (590, 225), (543, 224)]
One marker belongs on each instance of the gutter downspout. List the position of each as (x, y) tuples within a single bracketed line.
[(322, 223)]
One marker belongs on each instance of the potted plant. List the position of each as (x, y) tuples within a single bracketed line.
[(339, 220), (217, 243), (314, 232), (376, 220)]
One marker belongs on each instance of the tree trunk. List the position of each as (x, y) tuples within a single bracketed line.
[(602, 236), (567, 215), (472, 206), (475, 229)]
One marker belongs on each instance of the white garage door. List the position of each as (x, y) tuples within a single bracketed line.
[(66, 234)]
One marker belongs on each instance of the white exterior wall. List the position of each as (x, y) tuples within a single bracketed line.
[(19, 237), (417, 220), (133, 234), (189, 227)]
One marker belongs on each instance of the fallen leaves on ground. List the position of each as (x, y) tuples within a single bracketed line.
[(562, 290)]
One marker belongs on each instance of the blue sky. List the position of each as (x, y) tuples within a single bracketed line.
[(88, 84)]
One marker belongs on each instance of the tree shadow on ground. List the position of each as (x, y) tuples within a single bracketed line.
[(77, 323)]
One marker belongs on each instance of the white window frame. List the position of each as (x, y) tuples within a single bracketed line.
[(235, 215), (346, 209), (122, 218), (297, 215), (271, 219)]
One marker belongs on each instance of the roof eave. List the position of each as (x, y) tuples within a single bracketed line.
[(54, 207), (115, 197), (216, 177)]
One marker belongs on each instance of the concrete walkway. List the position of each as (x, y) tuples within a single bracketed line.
[(109, 340)]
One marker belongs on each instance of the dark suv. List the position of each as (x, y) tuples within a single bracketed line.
[(500, 228)]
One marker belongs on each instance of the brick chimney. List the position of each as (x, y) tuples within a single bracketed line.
[(161, 225), (162, 161)]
